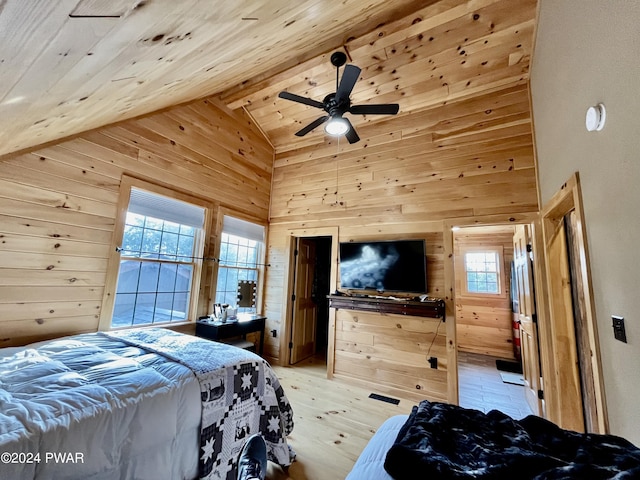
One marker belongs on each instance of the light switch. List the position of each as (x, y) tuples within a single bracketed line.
[(618, 328)]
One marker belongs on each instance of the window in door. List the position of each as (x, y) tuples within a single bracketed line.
[(160, 255)]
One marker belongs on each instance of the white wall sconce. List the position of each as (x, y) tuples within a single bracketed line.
[(596, 117)]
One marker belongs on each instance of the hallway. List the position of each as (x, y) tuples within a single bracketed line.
[(482, 388)]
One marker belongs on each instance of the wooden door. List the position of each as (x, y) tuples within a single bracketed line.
[(527, 318), (303, 332), (571, 415), (566, 346)]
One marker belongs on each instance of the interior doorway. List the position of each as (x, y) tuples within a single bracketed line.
[(491, 364), (309, 304), (569, 342)]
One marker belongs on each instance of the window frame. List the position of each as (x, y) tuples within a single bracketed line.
[(115, 257), (261, 261), (502, 286)]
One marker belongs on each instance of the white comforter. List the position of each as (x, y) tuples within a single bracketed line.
[(75, 409)]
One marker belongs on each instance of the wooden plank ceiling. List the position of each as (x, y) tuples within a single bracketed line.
[(74, 65)]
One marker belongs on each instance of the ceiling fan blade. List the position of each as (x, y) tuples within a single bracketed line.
[(351, 134), (348, 81), (380, 109), (297, 98), (317, 122)]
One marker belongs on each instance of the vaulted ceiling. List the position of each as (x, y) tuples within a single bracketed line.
[(73, 65)]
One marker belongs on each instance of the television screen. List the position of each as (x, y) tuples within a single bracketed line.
[(390, 266)]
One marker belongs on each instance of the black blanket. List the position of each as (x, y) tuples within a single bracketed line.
[(443, 441)]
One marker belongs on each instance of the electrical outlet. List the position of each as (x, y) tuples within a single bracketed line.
[(433, 362), (618, 328)]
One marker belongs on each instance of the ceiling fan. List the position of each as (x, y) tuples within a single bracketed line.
[(338, 103)]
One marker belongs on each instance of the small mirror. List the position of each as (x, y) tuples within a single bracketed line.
[(247, 293)]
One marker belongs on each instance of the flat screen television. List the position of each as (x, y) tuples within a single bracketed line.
[(384, 266)]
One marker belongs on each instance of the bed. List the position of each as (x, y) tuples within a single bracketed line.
[(443, 441), (143, 403)]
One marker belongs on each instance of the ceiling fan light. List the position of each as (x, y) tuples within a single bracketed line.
[(336, 126)]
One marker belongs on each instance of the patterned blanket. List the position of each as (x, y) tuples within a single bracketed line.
[(240, 393), (445, 441)]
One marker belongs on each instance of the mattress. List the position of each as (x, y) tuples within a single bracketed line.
[(439, 440), (97, 407), (370, 463)]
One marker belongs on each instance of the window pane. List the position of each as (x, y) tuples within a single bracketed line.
[(222, 277), (151, 243), (224, 247), (171, 227), (135, 219), (132, 240), (252, 256), (482, 270), (232, 255), (183, 280), (242, 256), (167, 280), (169, 246), (164, 307), (232, 279), (123, 310), (148, 277), (144, 308), (128, 276), (187, 230), (180, 306), (153, 223), (186, 246), (244, 274)]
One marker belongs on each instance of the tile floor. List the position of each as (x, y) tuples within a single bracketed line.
[(482, 388)]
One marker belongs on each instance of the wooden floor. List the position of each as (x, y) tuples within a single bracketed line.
[(480, 386), (335, 420)]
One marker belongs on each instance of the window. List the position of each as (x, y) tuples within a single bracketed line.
[(482, 272), (160, 256), (241, 260)]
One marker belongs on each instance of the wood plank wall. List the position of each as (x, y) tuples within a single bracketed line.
[(405, 179), (484, 324), (391, 351), (58, 202)]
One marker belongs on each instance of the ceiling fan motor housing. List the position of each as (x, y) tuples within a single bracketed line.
[(332, 107)]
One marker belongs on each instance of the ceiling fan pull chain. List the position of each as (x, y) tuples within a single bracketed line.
[(337, 170)]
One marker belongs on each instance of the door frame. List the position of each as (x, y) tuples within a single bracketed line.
[(289, 283), (559, 407), (450, 286)]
